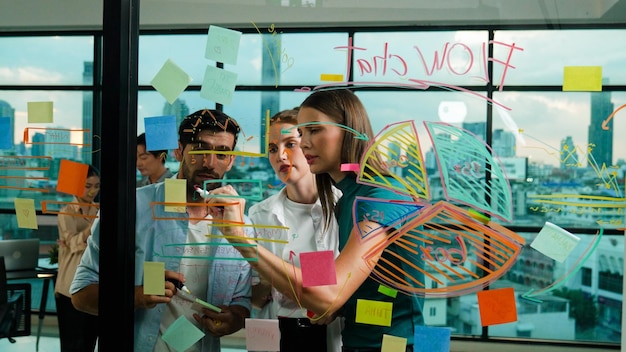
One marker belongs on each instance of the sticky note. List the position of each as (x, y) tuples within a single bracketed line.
[(388, 291), (182, 334), (393, 344), (497, 306), (318, 268), (26, 214), (582, 78), (331, 77), (154, 278), (218, 85), (222, 45), (431, 339), (175, 192), (170, 81), (39, 111), (262, 335), (198, 304), (72, 177), (6, 133), (373, 312), (555, 242), (161, 132)]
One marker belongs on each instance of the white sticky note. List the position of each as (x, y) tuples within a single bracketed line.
[(555, 242)]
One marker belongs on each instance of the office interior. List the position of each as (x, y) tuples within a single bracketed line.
[(540, 83)]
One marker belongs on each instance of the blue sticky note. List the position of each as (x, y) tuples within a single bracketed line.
[(218, 85), (222, 45), (431, 339), (182, 334), (161, 132), (6, 139)]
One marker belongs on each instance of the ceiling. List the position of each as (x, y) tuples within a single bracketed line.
[(35, 15)]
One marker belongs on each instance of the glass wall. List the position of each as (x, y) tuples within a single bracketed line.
[(497, 125)]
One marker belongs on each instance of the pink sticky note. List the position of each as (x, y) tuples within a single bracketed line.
[(318, 268), (262, 335), (350, 167)]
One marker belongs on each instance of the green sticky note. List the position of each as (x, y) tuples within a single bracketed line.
[(154, 278), (182, 334), (218, 85), (582, 78), (170, 81), (26, 214), (39, 111), (373, 312), (387, 291), (222, 45), (175, 192)]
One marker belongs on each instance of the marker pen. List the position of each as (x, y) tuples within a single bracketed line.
[(179, 285), (203, 193)]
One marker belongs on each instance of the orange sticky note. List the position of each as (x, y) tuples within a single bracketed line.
[(72, 177), (582, 78), (373, 312), (26, 215), (497, 306), (318, 268)]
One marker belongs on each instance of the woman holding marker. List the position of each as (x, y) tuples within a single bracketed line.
[(296, 207), (78, 331), (324, 119)]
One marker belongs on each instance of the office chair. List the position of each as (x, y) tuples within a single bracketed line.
[(14, 307)]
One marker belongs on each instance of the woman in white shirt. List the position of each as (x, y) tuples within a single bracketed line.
[(295, 206)]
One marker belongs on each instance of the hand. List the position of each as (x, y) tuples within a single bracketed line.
[(150, 301), (227, 211), (230, 320)]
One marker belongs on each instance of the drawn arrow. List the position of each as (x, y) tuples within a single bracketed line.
[(531, 294), (357, 134), (606, 122)]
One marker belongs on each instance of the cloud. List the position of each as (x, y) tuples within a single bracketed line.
[(30, 75)]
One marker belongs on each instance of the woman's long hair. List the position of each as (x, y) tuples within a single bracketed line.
[(344, 108)]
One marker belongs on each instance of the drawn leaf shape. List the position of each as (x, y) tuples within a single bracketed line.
[(463, 160), (396, 148)]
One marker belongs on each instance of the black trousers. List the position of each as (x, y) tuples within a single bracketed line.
[(344, 349), (298, 334), (78, 331)]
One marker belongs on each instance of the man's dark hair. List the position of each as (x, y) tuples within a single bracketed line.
[(159, 154), (206, 120)]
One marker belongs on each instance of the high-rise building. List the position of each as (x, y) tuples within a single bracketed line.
[(7, 111), (38, 147), (87, 112), (600, 140), (178, 108), (504, 143), (569, 155), (270, 75)]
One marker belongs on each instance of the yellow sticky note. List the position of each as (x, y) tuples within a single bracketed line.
[(26, 215), (154, 278), (39, 111), (331, 77), (373, 312), (582, 78), (175, 192), (393, 344)]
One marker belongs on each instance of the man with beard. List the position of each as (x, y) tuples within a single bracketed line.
[(208, 267)]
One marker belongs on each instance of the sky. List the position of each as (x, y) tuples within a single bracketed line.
[(538, 58)]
